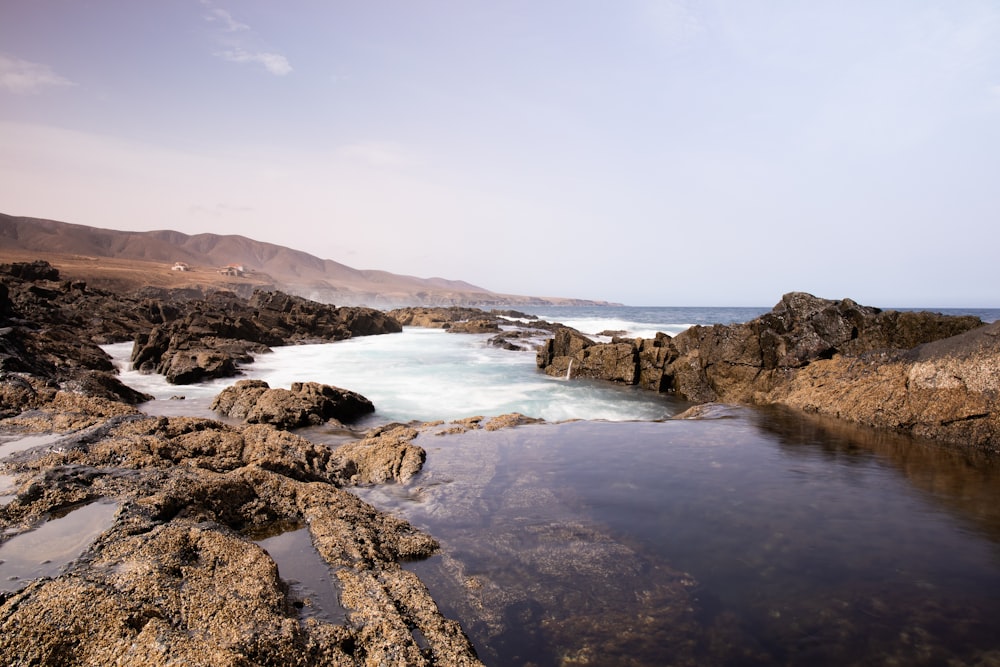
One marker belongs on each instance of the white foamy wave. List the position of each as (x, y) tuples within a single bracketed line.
[(594, 326), (421, 374)]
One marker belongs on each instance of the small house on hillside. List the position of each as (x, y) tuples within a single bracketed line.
[(232, 270), (180, 266)]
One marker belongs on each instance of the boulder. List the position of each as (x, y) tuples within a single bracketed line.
[(385, 454), (304, 404)]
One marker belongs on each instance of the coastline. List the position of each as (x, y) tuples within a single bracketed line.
[(192, 491)]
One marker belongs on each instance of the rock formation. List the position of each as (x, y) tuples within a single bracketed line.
[(305, 404), (215, 335), (880, 368), (178, 576), (476, 321), (185, 339)]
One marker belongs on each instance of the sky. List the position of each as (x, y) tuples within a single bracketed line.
[(648, 152)]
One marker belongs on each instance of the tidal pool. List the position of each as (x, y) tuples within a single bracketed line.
[(304, 570), (7, 487), (757, 538), (46, 550), (11, 443)]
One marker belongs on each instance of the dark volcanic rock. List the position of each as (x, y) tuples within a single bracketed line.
[(42, 350), (305, 404), (816, 354), (215, 335), (31, 271)]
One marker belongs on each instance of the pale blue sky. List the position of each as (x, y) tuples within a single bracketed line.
[(650, 152)]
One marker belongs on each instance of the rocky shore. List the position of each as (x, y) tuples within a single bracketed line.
[(924, 374), (178, 576)]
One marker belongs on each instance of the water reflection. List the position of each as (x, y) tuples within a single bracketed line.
[(756, 539), (11, 443), (965, 481), (46, 550), (305, 571)]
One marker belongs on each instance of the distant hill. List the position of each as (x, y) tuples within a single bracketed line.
[(129, 260)]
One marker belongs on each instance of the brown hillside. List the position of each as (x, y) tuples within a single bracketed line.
[(129, 260)]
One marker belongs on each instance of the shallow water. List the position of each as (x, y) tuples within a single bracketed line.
[(753, 538), (305, 571), (7, 488), (11, 443), (761, 538), (46, 550)]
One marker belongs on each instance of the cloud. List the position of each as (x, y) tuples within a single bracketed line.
[(225, 18), (241, 42), (275, 63), (22, 77)]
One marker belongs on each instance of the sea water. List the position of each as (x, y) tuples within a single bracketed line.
[(626, 537)]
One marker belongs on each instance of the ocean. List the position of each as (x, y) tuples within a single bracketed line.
[(612, 534)]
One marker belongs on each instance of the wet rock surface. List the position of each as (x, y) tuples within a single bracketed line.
[(218, 333), (918, 372), (185, 337), (178, 579)]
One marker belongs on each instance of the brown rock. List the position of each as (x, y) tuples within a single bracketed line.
[(177, 577), (386, 454), (305, 404), (832, 357)]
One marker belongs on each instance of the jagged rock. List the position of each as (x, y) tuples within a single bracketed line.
[(816, 354), (305, 404), (945, 390), (31, 271), (214, 336)]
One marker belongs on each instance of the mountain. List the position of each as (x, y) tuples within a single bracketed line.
[(129, 260)]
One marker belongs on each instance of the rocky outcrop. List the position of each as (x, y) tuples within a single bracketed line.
[(304, 404), (185, 339), (214, 336), (514, 330), (179, 578), (435, 318), (42, 352), (946, 390), (830, 357), (457, 319)]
